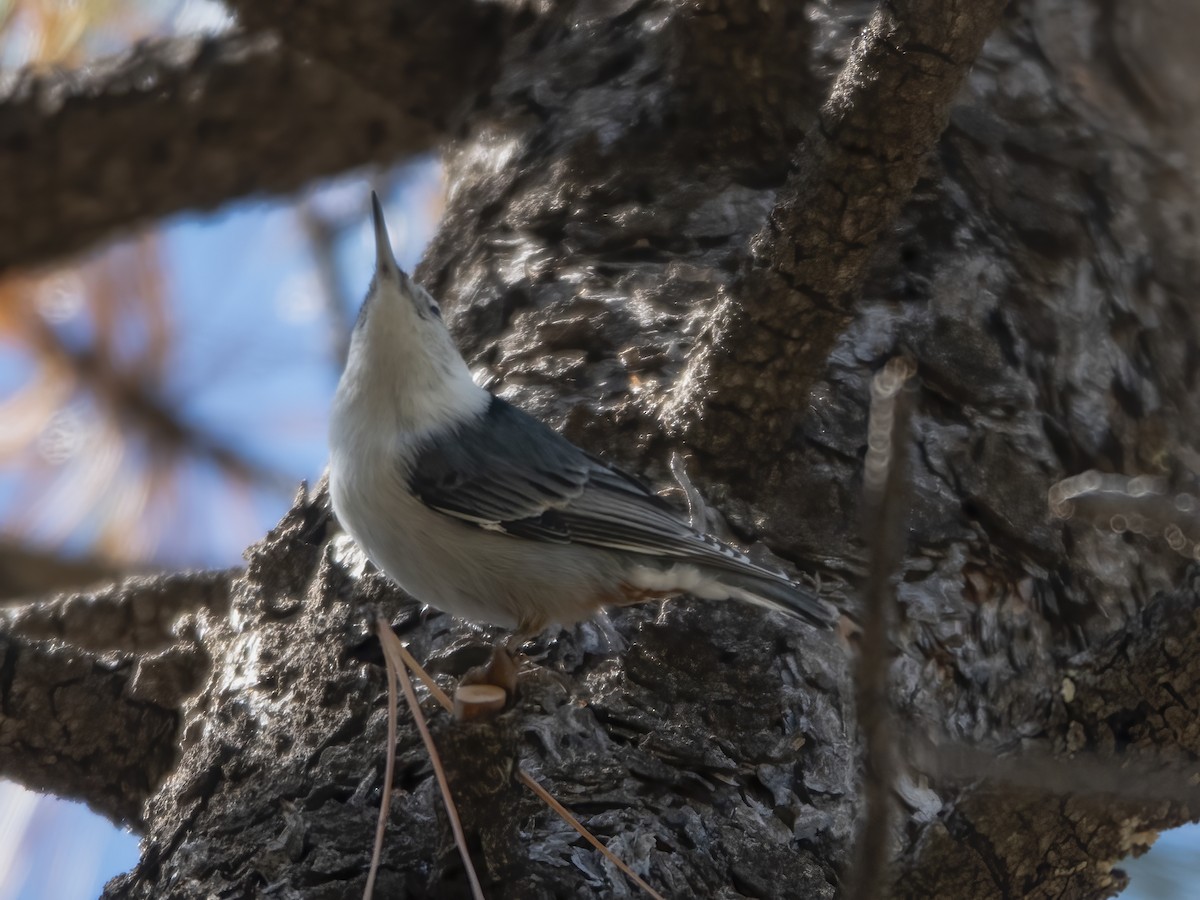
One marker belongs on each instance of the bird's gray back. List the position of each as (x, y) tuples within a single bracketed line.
[(505, 471), (467, 571)]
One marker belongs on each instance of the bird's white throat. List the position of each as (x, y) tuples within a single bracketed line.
[(404, 372)]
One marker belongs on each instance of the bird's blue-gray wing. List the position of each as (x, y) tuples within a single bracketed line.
[(510, 473)]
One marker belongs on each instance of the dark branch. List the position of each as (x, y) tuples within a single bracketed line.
[(192, 124), (424, 58), (100, 729), (82, 720), (322, 237), (132, 398), (1113, 765), (134, 615), (857, 168), (1141, 780)]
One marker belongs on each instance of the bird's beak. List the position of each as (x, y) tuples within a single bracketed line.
[(385, 261)]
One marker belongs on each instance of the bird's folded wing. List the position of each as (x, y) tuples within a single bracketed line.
[(508, 472)]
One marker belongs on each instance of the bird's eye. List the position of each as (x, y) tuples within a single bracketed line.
[(435, 309)]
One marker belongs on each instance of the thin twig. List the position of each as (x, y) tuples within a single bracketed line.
[(524, 777), (322, 236), (393, 648), (385, 804), (885, 499), (1141, 779)]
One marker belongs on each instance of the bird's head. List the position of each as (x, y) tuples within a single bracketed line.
[(396, 308), (401, 352)]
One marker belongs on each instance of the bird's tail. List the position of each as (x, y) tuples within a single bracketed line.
[(782, 595)]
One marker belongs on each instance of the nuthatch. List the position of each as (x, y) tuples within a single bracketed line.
[(482, 511)]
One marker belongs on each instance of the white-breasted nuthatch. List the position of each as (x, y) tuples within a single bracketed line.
[(482, 511)]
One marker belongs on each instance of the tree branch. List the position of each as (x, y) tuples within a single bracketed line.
[(426, 58), (857, 168), (95, 728), (135, 615), (1111, 761), (194, 123)]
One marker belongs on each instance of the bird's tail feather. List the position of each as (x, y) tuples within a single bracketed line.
[(783, 596)]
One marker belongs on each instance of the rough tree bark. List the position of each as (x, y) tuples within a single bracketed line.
[(660, 236)]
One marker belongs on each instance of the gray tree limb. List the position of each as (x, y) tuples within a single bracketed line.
[(186, 124), (101, 728), (91, 686), (135, 615), (428, 59), (854, 173), (299, 638), (1108, 762)]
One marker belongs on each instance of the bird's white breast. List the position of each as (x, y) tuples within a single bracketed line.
[(470, 572)]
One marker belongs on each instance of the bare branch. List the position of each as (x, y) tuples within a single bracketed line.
[(885, 500), (194, 123), (134, 615), (131, 396), (1139, 779), (426, 58), (95, 728), (857, 168), (322, 237)]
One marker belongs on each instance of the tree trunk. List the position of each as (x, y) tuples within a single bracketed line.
[(661, 237)]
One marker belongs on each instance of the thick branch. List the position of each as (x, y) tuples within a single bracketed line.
[(94, 728), (135, 615), (421, 57), (84, 721), (857, 168), (1112, 763), (184, 124)]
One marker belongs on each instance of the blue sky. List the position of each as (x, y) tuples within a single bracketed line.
[(253, 362)]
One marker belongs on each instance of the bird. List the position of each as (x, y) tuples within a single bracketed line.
[(482, 511)]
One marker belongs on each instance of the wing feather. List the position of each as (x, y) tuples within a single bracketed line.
[(509, 472)]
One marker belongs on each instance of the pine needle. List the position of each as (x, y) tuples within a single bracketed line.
[(565, 814), (409, 660), (393, 649), (525, 778), (388, 773)]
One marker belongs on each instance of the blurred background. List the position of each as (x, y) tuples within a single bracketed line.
[(162, 396)]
